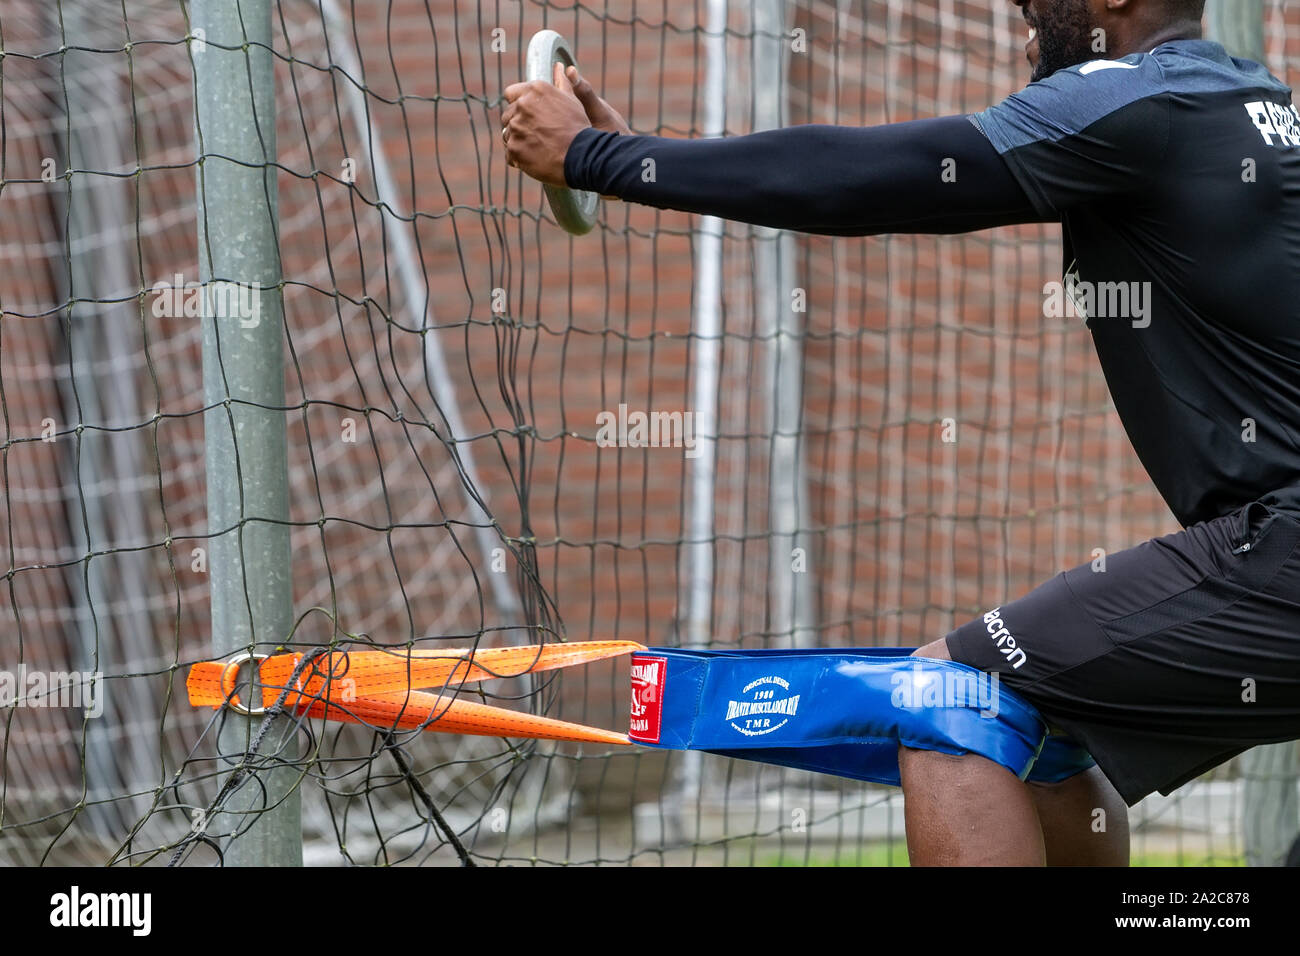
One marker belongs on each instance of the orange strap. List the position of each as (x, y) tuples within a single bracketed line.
[(375, 688)]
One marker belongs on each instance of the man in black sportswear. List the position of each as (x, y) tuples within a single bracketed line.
[(1174, 170)]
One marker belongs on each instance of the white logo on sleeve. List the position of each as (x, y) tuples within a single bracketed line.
[(1097, 65)]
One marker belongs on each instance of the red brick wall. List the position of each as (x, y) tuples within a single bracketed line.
[(909, 535)]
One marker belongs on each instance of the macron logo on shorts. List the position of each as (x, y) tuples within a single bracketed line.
[(999, 634)]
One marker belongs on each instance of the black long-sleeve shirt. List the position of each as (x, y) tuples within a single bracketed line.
[(1176, 177), (925, 176)]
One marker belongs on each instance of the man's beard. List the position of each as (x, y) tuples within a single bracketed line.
[(1064, 39)]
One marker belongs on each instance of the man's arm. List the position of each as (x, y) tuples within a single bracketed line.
[(925, 176)]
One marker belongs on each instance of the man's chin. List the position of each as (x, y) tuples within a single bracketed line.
[(1041, 70), (1043, 64)]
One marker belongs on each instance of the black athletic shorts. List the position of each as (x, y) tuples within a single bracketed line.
[(1182, 653)]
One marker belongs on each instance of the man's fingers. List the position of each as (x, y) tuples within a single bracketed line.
[(560, 78), (582, 89), (516, 90), (599, 113)]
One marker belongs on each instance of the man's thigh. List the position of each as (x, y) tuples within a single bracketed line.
[(1181, 653)]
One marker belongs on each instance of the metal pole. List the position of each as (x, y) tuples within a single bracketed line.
[(708, 353), (707, 321), (707, 324), (1270, 810), (789, 596), (243, 381)]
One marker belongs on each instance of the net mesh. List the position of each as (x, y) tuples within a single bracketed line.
[(951, 448)]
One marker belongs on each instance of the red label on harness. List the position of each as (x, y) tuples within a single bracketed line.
[(647, 698)]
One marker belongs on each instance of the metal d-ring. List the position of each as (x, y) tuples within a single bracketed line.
[(574, 209), (228, 683)]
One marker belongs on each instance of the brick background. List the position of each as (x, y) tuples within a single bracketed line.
[(908, 535)]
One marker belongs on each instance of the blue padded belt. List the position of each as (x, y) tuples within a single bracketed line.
[(842, 712)]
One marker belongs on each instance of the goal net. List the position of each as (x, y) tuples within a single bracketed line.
[(892, 436)]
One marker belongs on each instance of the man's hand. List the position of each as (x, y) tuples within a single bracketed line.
[(542, 120)]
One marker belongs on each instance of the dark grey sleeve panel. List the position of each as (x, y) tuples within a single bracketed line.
[(1089, 133), (936, 176), (1117, 156)]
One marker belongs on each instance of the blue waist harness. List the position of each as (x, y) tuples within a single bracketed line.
[(842, 712)]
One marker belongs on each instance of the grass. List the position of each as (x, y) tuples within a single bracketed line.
[(895, 854)]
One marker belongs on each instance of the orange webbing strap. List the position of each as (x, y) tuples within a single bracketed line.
[(375, 687)]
